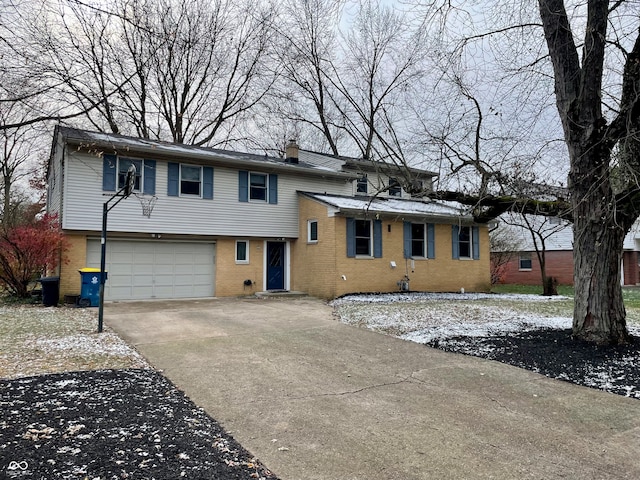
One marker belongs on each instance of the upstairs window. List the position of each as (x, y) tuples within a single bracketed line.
[(123, 167), (362, 185), (258, 187), (395, 190), (114, 174), (190, 180)]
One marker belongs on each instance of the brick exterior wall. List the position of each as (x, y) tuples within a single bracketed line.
[(313, 265), (320, 268), (230, 276), (630, 268), (74, 259), (559, 265)]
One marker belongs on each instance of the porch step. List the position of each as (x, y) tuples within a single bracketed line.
[(280, 293)]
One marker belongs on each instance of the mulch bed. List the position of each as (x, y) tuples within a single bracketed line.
[(113, 424), (556, 354)]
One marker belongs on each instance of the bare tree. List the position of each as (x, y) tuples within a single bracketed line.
[(597, 85), (17, 164), (308, 32)]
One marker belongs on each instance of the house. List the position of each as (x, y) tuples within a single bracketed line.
[(523, 267), (228, 223)]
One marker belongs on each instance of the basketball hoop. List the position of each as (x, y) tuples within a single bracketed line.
[(147, 202)]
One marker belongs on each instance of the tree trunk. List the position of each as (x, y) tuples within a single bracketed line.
[(599, 313), (598, 231)]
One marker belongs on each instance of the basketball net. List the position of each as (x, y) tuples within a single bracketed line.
[(147, 202)]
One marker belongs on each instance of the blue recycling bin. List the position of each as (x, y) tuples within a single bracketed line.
[(90, 290)]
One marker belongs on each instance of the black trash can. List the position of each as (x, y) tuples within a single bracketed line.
[(50, 291)]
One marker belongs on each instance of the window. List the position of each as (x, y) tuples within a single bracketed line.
[(123, 168), (312, 231), (258, 186), (525, 261), (464, 242), (363, 237), (242, 251), (394, 187), (190, 180), (362, 185), (418, 242)]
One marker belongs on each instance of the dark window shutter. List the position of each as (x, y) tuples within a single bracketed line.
[(149, 177), (243, 186), (207, 183), (109, 163), (475, 239), (173, 181), (351, 237), (377, 238), (273, 189), (406, 229), (431, 240), (455, 239)]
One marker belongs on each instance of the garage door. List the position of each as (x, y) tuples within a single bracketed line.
[(143, 270)]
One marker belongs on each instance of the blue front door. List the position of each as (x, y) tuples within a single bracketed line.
[(275, 265)]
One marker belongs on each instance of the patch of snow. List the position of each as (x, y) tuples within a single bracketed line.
[(445, 296)]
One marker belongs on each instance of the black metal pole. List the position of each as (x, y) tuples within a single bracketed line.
[(103, 254)]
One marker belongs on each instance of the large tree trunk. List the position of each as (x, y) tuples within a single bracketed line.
[(599, 314)]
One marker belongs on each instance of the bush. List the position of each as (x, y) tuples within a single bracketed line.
[(27, 252)]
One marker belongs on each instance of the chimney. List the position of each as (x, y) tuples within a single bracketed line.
[(291, 152)]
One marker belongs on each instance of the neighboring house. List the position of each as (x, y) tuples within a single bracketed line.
[(229, 223), (524, 268)]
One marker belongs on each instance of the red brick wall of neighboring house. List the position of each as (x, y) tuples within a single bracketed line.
[(559, 265), (630, 266)]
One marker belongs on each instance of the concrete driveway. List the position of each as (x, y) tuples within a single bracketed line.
[(315, 399)]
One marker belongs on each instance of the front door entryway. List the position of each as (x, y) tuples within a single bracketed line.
[(275, 265)]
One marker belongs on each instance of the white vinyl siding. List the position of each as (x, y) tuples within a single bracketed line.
[(139, 270), (184, 215)]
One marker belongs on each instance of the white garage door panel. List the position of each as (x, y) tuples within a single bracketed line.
[(141, 270)]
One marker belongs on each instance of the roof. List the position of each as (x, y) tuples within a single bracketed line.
[(350, 163), (394, 207), (123, 145)]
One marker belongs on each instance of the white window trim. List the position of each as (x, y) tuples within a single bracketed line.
[(190, 195), (309, 239), (425, 243), (365, 180), (470, 256), (138, 173), (266, 188), (520, 258), (398, 185), (355, 238), (246, 260)]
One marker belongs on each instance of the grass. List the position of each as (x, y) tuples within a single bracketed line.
[(35, 340), (566, 290), (630, 295)]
